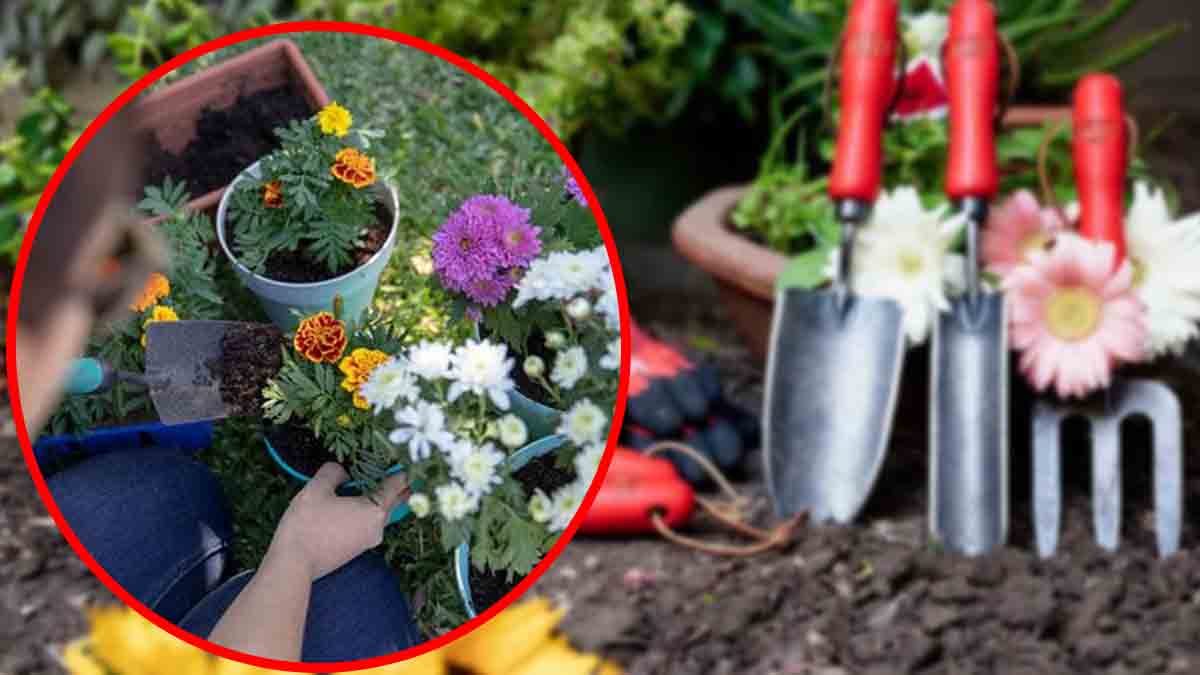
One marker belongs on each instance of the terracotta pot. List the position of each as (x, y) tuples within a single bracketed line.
[(745, 271), (172, 113)]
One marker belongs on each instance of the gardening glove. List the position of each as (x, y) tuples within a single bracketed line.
[(670, 398), (326, 531)]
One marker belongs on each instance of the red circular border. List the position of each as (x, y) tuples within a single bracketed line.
[(14, 308)]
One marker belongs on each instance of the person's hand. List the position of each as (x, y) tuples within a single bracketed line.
[(324, 531)]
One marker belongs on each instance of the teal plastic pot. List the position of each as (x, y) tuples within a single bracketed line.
[(286, 303), (349, 487), (462, 555)]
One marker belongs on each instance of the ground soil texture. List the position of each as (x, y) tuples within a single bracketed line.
[(487, 588), (298, 447), (877, 597), (250, 355), (227, 141)]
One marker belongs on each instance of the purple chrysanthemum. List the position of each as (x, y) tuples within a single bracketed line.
[(489, 292), (572, 187), (468, 247), (474, 314), (521, 242)]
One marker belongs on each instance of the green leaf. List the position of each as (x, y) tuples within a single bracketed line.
[(806, 271)]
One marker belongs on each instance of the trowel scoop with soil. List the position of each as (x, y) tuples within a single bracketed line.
[(186, 370), (834, 364)]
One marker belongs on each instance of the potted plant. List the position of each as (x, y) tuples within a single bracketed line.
[(205, 128), (312, 221)]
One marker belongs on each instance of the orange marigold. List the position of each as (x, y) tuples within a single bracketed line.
[(353, 167), (357, 367), (321, 338), (273, 194), (157, 287)]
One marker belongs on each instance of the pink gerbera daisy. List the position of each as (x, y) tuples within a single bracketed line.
[(1073, 317), (1020, 226)]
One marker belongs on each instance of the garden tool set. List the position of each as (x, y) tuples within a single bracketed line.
[(180, 381), (1100, 148)]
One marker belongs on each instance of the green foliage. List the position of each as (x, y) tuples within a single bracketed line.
[(322, 217), (39, 34)]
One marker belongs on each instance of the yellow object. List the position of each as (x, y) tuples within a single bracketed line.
[(358, 368), (321, 338), (353, 167), (159, 313), (157, 287), (510, 638), (335, 120)]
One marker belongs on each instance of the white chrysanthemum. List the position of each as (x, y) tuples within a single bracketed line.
[(513, 432), (579, 309), (455, 503), (584, 423), (477, 469), (1166, 257), (924, 35), (420, 505), (421, 427), (904, 254), (569, 367), (562, 276), (612, 359), (430, 360), (541, 509), (587, 461), (534, 366), (390, 382), (482, 368), (608, 308), (566, 502)]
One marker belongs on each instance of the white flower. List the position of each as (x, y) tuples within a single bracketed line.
[(569, 367), (513, 432), (430, 360), (555, 340), (587, 461), (454, 502), (482, 368), (422, 427), (903, 254), (1165, 254), (585, 271), (579, 309), (924, 35), (477, 469), (420, 505), (612, 359), (567, 501), (535, 367), (607, 307), (561, 276), (388, 383), (584, 423), (541, 509)]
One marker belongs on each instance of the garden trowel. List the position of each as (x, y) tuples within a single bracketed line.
[(968, 412), (834, 364), (1100, 156), (182, 384)]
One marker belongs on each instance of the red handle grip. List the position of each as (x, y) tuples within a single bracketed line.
[(868, 80), (972, 71), (1100, 148), (635, 487)]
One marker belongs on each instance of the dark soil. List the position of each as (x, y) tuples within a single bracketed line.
[(298, 447), (250, 355), (877, 597), (535, 346), (228, 141), (296, 267), (487, 588)]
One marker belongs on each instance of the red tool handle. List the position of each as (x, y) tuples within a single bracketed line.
[(635, 487), (1100, 149), (868, 80), (972, 71)]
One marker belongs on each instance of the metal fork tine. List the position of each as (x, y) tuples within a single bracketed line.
[(1106, 480), (1161, 406), (1047, 484)]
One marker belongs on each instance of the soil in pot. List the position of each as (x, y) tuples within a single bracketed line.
[(488, 587), (297, 268), (227, 141), (298, 447), (250, 355)]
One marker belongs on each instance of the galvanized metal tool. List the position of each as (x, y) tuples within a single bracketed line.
[(968, 444), (835, 357), (182, 385), (1100, 156)]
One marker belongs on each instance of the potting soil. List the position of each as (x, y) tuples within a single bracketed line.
[(250, 355), (298, 447)]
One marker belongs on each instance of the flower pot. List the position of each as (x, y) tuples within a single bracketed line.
[(171, 114), (149, 435), (745, 270), (462, 555), (286, 303), (541, 419)]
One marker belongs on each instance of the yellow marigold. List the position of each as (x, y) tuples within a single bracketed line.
[(273, 194), (353, 167), (157, 287), (357, 368), (321, 338), (159, 313), (335, 120), (128, 644)]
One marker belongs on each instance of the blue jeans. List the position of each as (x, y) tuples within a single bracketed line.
[(156, 521)]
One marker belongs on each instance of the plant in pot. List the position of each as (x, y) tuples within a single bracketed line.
[(312, 221)]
